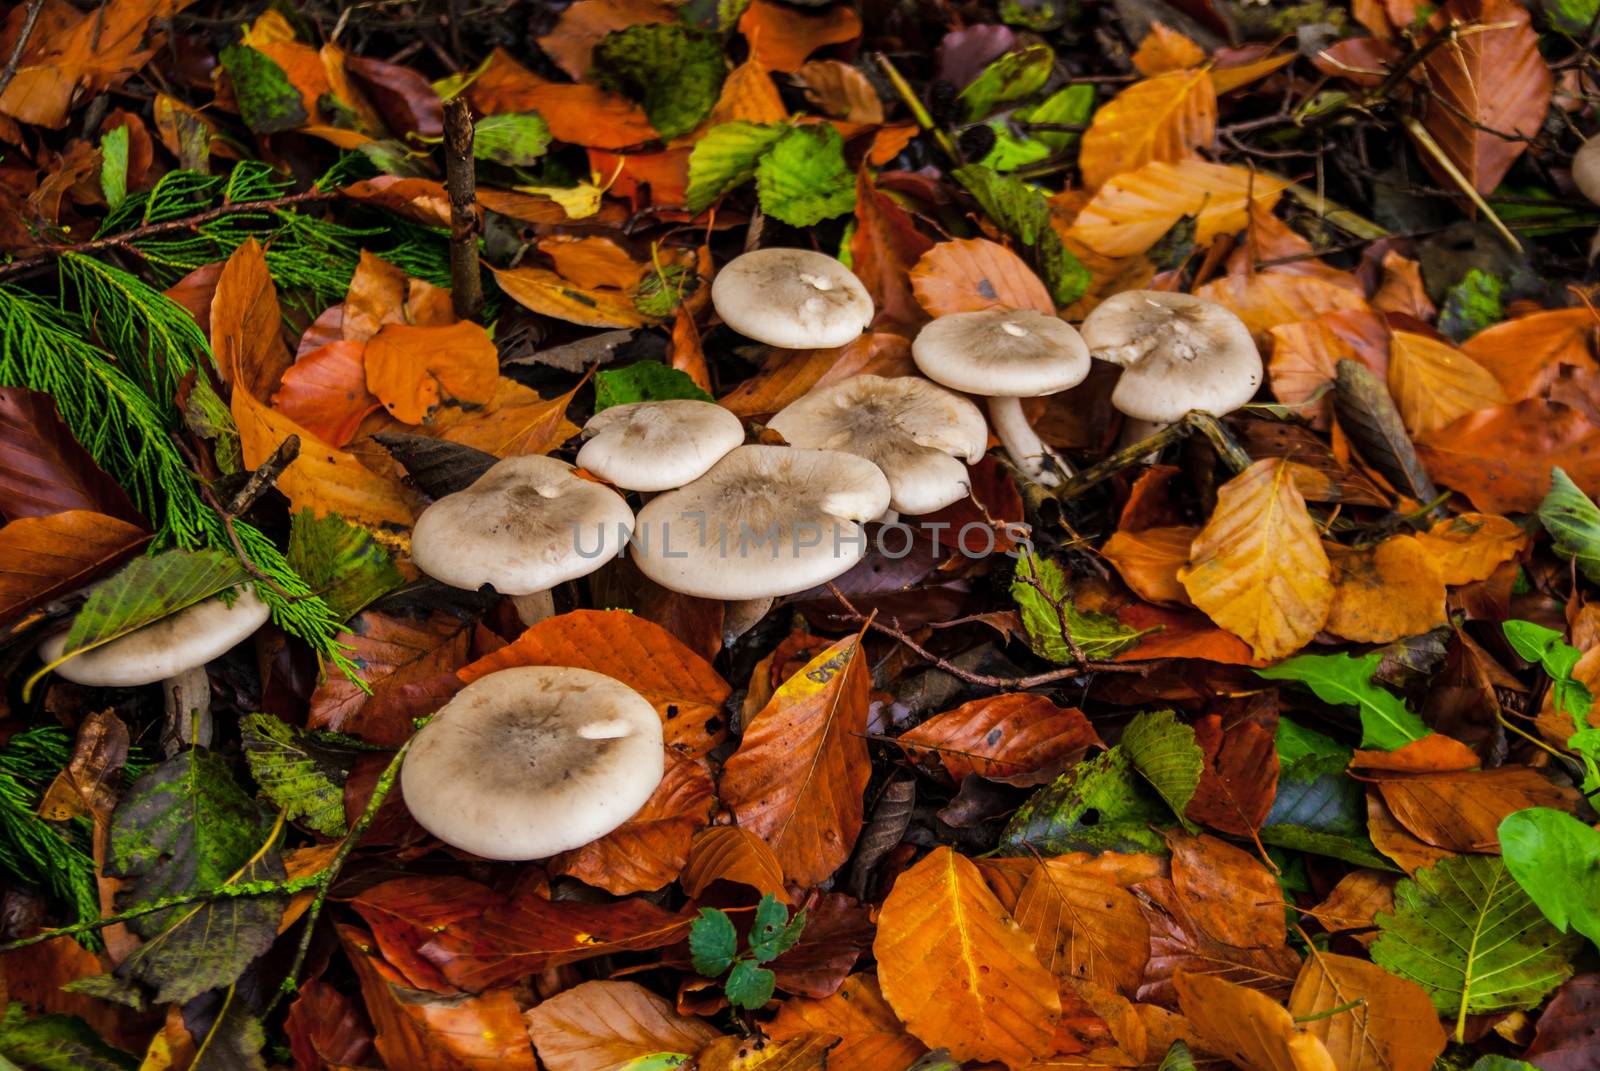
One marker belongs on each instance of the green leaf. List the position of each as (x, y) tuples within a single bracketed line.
[(1178, 1058), (749, 986), (802, 179), (1571, 17), (656, 1061), (1164, 751), (1341, 679), (58, 1043), (1556, 860), (234, 1040), (664, 288), (1022, 212), (1013, 76), (340, 561), (207, 415), (1464, 930), (674, 71), (514, 140), (713, 942), (148, 589), (1098, 636), (647, 381), (725, 158), (773, 933), (1070, 106), (937, 1060), (114, 166), (1097, 805), (268, 102), (1571, 696), (301, 777), (1295, 741), (1494, 1062), (1573, 521), (1471, 305), (1320, 809), (1012, 151)]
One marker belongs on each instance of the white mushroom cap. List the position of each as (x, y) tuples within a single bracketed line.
[(525, 525), (792, 298), (655, 446), (1181, 353), (1002, 353), (528, 762), (766, 520), (1586, 169), (187, 639), (908, 427)]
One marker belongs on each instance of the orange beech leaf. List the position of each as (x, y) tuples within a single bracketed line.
[(1434, 383), (35, 977), (958, 970), (748, 94), (729, 853), (871, 1037), (1236, 75), (787, 374), (1085, 927), (1179, 633), (1385, 592), (593, 261), (514, 420), (883, 249), (1227, 891), (802, 767), (1393, 839), (649, 849), (606, 1026), (680, 684), (973, 274), (1167, 118), (783, 38), (1484, 86), (1306, 355), (841, 91), (570, 42), (1355, 901), (1131, 212), (380, 293), (1239, 781), (1269, 240), (805, 1052), (1527, 353), (578, 114), (1165, 49), (664, 176), (55, 554), (409, 671), (1148, 561), (335, 67), (1019, 738), (1269, 299), (1249, 1028), (1391, 1027), (890, 141), (1181, 942), (403, 913), (246, 323), (1434, 753), (412, 369), (1501, 457), (549, 294), (420, 200), (1258, 568), (1461, 810), (538, 209), (325, 392), (688, 356), (1402, 289)]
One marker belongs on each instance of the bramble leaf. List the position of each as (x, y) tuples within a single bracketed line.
[(674, 71), (1039, 587), (513, 140), (304, 779), (713, 942), (749, 986)]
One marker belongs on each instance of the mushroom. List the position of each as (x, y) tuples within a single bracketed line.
[(521, 528), (791, 298), (174, 651), (524, 763), (764, 521), (1006, 355), (911, 429), (1180, 352), (1586, 169), (656, 446)]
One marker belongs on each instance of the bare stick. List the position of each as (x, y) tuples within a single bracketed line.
[(466, 284)]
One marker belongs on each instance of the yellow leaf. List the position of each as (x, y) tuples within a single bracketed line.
[(1435, 384), (1227, 79), (1382, 1023), (547, 293), (1247, 1026), (578, 202), (1165, 49), (1131, 212), (958, 970), (1163, 118), (1385, 592), (1258, 568)]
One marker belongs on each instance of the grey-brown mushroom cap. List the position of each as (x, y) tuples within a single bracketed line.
[(765, 521), (792, 298), (1586, 169), (524, 763), (1180, 353), (189, 638), (655, 446), (913, 430), (1002, 353), (525, 525)]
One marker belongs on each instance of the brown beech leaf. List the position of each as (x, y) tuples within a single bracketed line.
[(1527, 353), (680, 684), (409, 668), (782, 38), (412, 369), (325, 1028), (1258, 568), (1268, 299), (1369, 1019), (1434, 383), (246, 323), (1180, 942), (843, 92), (44, 470), (871, 1036), (732, 854), (1355, 901), (1500, 458), (838, 930), (1227, 891), (570, 42), (1469, 547), (1020, 738), (885, 245), (1085, 927), (36, 976), (1385, 592), (46, 557), (958, 970), (1395, 841), (1461, 810), (402, 914), (787, 374), (1249, 1028), (401, 95), (1149, 561), (973, 274), (592, 261), (749, 95), (1240, 778), (605, 1026), (802, 767), (325, 391), (649, 849), (1131, 212), (1434, 753), (1165, 49), (1167, 117), (549, 294)]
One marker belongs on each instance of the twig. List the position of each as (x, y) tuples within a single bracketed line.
[(1061, 617), (29, 19), (1448, 166), (918, 112), (466, 282), (1228, 450), (265, 475), (1114, 463)]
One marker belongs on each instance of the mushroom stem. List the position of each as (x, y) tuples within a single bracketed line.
[(534, 607), (1027, 450), (188, 702), (741, 615)]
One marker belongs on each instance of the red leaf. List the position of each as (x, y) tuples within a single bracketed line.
[(406, 912), (409, 667), (1019, 738), (884, 248), (43, 469), (325, 1028)]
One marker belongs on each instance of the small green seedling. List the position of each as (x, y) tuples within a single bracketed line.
[(714, 949)]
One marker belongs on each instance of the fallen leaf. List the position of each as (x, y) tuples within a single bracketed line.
[(1461, 810), (1248, 1028), (1231, 76), (515, 420), (1166, 118), (871, 1037), (401, 95), (1131, 212), (838, 931), (44, 470), (883, 249), (1526, 354), (407, 667), (54, 555), (1395, 841), (843, 92), (782, 38), (1385, 592), (324, 1028), (246, 323), (1165, 49), (1469, 547), (1179, 943), (1239, 781), (1501, 457), (579, 114), (808, 1052), (732, 854), (1085, 927), (1269, 299), (1434, 383), (411, 370), (1306, 355), (1228, 892), (1355, 901), (788, 374), (1564, 1039), (420, 200), (592, 261), (549, 294), (973, 274), (570, 42), (1149, 561), (749, 96), (403, 913), (1402, 289), (1369, 1019), (606, 1026), (325, 392), (1019, 738)]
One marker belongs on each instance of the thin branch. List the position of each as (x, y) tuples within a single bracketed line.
[(29, 19), (466, 279)]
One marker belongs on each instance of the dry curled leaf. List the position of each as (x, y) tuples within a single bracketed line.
[(606, 1026), (1165, 49), (870, 1036), (1020, 738), (1149, 561), (411, 370)]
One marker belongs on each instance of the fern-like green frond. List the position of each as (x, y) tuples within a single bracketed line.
[(53, 855)]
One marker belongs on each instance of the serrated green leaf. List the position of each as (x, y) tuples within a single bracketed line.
[(1320, 809), (749, 986), (1342, 679), (301, 777), (58, 1043), (514, 140), (1573, 521), (1014, 76), (1164, 752), (664, 288), (773, 933), (1556, 860), (1098, 805), (207, 415), (1464, 930), (713, 942), (1098, 636), (647, 381), (1069, 106), (656, 1061), (149, 589), (802, 179), (268, 102), (725, 158), (114, 166), (1022, 212), (674, 71), (1471, 305), (1495, 1062), (341, 562)]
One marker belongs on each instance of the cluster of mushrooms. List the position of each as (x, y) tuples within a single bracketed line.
[(576, 753)]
